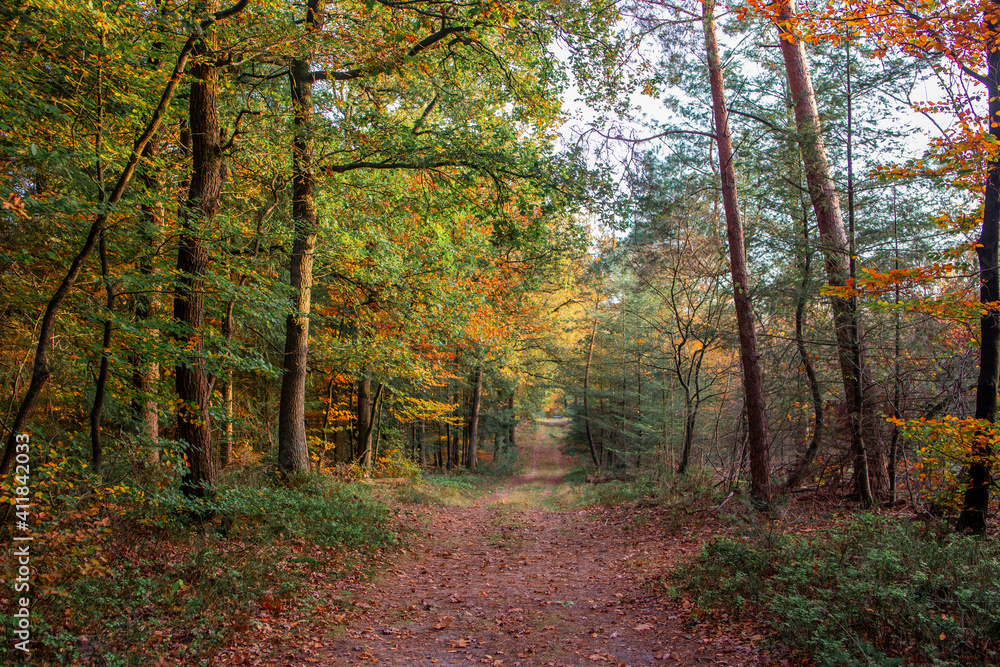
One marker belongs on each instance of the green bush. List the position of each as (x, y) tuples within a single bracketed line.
[(507, 463), (651, 488), (873, 592)]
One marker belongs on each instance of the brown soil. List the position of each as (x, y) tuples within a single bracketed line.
[(514, 581)]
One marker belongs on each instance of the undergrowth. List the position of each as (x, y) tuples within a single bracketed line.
[(872, 592), (507, 463), (443, 489), (119, 577), (655, 487)]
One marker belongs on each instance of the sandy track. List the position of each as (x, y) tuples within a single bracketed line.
[(510, 582)]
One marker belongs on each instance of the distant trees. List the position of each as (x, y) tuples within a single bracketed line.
[(804, 137)]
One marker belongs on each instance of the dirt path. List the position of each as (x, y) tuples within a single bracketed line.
[(515, 581)]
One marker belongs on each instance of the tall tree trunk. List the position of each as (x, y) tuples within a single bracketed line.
[(100, 388), (448, 443), (423, 444), (377, 423), (203, 202), (364, 452), (753, 385), (293, 448), (897, 388), (477, 399), (690, 415), (814, 391), (513, 425), (977, 494), (146, 373), (226, 446), (826, 204), (586, 399)]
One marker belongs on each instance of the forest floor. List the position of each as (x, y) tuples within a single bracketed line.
[(516, 578)]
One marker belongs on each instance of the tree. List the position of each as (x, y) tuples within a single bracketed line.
[(293, 449), (760, 482), (204, 140), (826, 204)]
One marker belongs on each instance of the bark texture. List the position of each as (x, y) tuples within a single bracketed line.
[(293, 448), (202, 206)]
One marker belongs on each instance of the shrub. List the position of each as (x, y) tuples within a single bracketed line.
[(870, 592), (507, 463)]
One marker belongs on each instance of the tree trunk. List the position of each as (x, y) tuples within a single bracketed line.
[(193, 422), (586, 400), (377, 423), (513, 424), (100, 388), (753, 385), (897, 384), (423, 444), (226, 446), (146, 374), (477, 399), (814, 391), (826, 203), (293, 447), (690, 415), (364, 452), (977, 494)]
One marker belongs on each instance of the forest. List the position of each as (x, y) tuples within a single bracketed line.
[(694, 304)]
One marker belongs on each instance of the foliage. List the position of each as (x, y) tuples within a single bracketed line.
[(395, 463), (871, 591), (507, 463), (945, 447), (447, 490), (661, 488)]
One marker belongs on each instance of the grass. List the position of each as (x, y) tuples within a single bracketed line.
[(872, 592)]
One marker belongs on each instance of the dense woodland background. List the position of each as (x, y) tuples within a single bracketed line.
[(242, 244)]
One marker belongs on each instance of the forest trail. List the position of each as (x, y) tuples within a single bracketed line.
[(517, 580)]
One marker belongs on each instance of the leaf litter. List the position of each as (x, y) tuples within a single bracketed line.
[(514, 583)]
